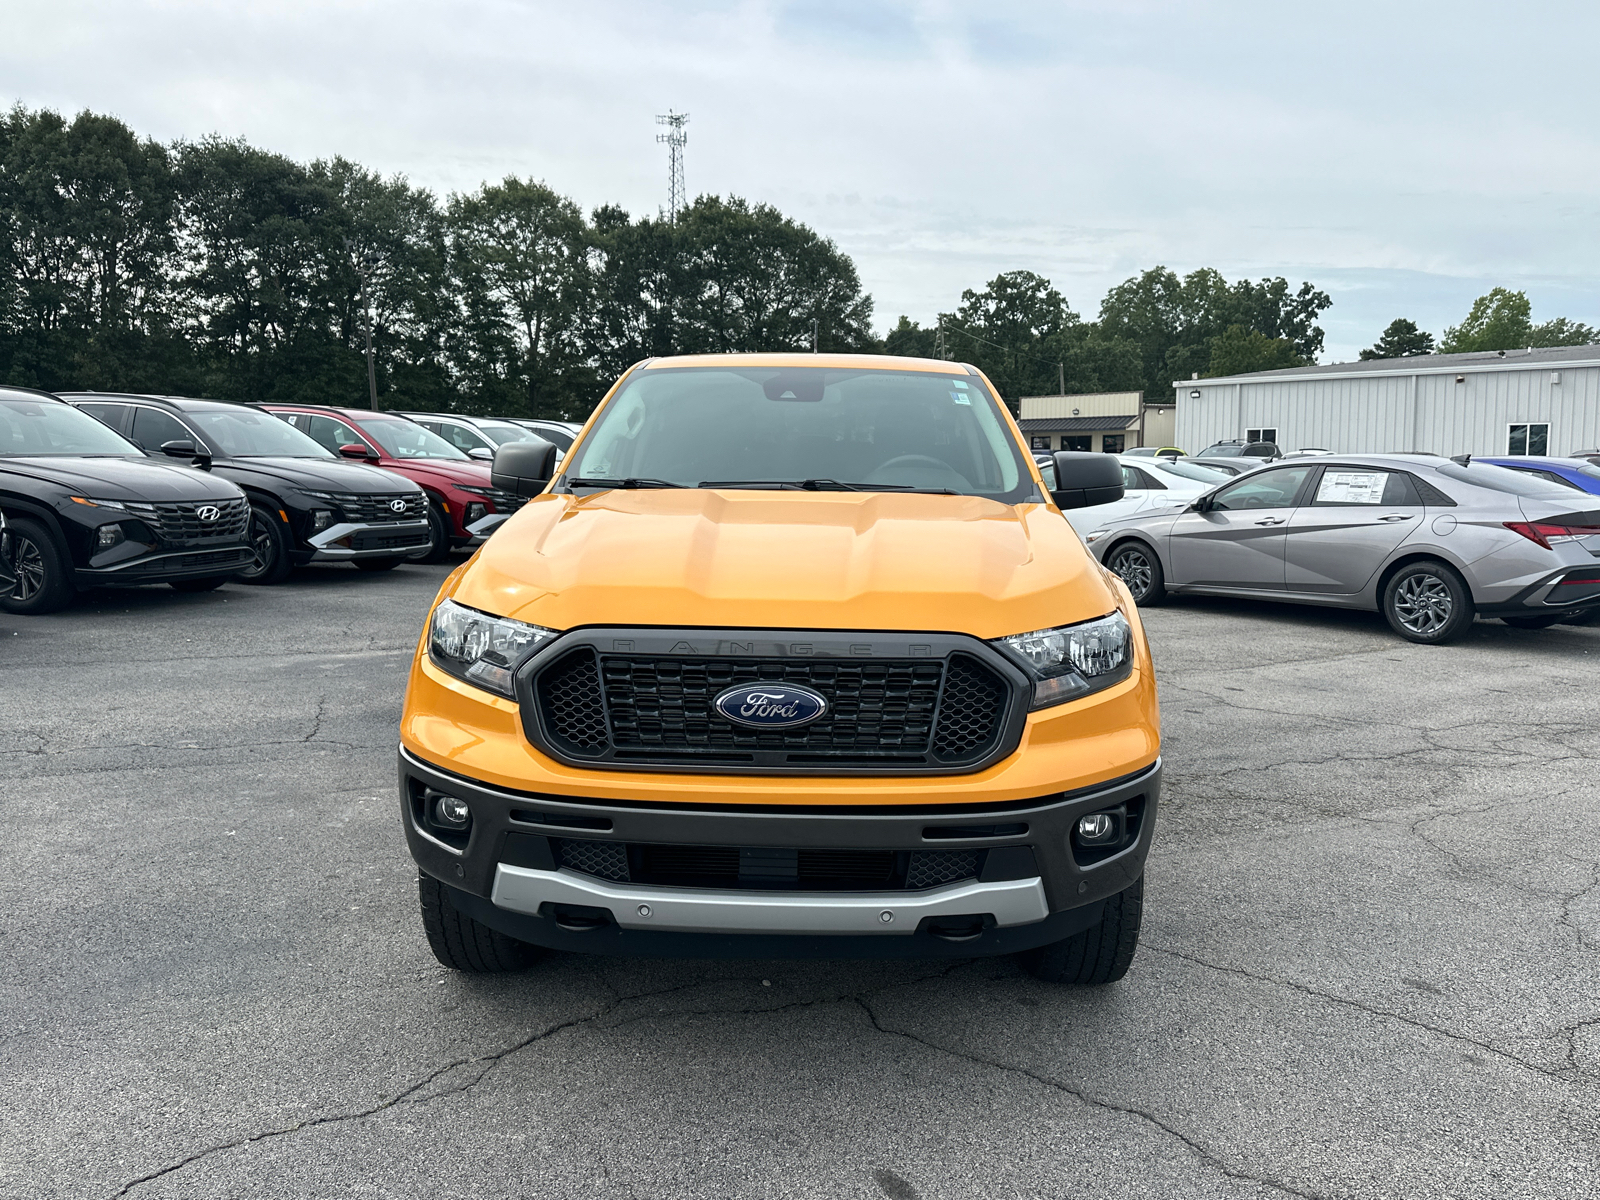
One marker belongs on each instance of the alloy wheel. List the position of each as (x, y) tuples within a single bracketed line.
[(261, 546), (27, 563), (1423, 604), (1134, 569)]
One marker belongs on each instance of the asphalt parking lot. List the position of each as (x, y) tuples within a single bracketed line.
[(1370, 966)]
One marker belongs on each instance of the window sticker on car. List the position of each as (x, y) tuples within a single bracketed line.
[(1352, 487), (961, 398)]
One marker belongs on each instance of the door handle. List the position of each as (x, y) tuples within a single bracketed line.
[(1270, 521), (1396, 517)]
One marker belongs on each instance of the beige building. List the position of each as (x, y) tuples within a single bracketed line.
[(1111, 422)]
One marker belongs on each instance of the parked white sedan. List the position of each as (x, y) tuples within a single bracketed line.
[(1146, 483)]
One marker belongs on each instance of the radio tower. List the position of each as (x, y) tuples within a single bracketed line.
[(677, 198)]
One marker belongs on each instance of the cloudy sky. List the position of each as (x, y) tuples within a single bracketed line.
[(1404, 156)]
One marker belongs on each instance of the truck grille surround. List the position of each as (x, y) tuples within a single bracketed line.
[(952, 706)]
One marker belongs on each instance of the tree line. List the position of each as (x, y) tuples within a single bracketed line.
[(215, 268)]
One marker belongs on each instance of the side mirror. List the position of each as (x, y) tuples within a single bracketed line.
[(1084, 480), (523, 468), (355, 450), (184, 448), (482, 453), (1201, 505)]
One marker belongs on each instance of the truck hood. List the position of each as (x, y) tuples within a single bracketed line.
[(787, 560)]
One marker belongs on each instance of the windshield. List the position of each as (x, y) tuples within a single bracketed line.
[(29, 426), (871, 430), (242, 433), (1223, 450), (1588, 469), (406, 439), (501, 432), (1502, 479), (1190, 471)]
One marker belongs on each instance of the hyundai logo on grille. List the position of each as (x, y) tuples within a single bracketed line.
[(770, 706), (397, 505), (208, 512)]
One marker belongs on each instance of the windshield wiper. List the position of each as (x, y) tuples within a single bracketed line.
[(623, 483), (822, 485)]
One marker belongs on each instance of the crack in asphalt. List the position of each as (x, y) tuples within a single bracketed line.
[(1207, 1156), (1370, 1009)]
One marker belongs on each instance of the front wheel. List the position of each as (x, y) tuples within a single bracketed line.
[(1098, 955), (43, 571), (439, 531), (464, 943), (269, 546), (1428, 602), (1138, 566)]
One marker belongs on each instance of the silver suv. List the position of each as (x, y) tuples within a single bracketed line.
[(1429, 542)]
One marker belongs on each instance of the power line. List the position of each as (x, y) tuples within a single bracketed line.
[(940, 352), (675, 137)]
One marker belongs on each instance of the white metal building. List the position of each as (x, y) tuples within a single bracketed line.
[(1104, 421), (1518, 402)]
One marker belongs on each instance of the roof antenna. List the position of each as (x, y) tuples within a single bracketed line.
[(1463, 459)]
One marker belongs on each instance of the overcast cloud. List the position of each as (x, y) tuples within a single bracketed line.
[(1403, 156)]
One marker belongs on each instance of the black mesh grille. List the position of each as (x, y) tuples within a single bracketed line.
[(883, 708), (179, 524), (569, 696), (607, 860), (622, 709), (969, 716), (505, 502), (765, 867), (929, 868), (377, 510)]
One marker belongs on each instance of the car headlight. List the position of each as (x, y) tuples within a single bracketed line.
[(476, 491), (1073, 660), (481, 649)]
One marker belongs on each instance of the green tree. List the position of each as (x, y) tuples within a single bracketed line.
[(521, 260), (1562, 332), (1499, 320), (1012, 332), (911, 340), (1238, 350), (1402, 339)]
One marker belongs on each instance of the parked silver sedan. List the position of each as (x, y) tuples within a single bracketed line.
[(1429, 542)]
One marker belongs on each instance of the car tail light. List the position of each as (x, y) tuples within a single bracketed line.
[(1543, 532)]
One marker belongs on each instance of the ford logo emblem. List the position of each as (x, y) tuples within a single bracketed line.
[(208, 512), (770, 705), (398, 505)]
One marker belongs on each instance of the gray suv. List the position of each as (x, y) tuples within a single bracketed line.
[(1429, 542)]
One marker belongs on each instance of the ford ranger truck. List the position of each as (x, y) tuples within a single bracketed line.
[(795, 656)]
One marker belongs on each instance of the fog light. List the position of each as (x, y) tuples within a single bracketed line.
[(1097, 828), (108, 536), (452, 812), (321, 518), (476, 512)]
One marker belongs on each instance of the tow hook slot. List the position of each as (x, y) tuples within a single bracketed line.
[(966, 927), (578, 918)]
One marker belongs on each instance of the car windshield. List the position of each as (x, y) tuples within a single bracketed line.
[(813, 427), (1190, 471), (501, 432), (1588, 469), (243, 433), (406, 439), (31, 426), (1222, 450), (1502, 479)]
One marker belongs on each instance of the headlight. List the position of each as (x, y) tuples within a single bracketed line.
[(476, 491), (1074, 660), (481, 649), (97, 503)]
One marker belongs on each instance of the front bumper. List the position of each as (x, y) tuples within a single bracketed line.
[(506, 874), (167, 567), (350, 540)]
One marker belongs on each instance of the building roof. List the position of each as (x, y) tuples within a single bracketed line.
[(1542, 358), (1074, 424)]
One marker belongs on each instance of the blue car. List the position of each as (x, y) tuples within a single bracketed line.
[(1577, 473)]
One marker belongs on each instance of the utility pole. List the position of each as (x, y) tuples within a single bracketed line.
[(938, 342), (815, 327), (365, 264), (1061, 379), (675, 137)]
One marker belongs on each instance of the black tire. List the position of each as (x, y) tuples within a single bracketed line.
[(42, 568), (1428, 603), (1100, 954), (1139, 567), (439, 530), (462, 943), (378, 564), (1541, 621), (199, 585), (270, 541)]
